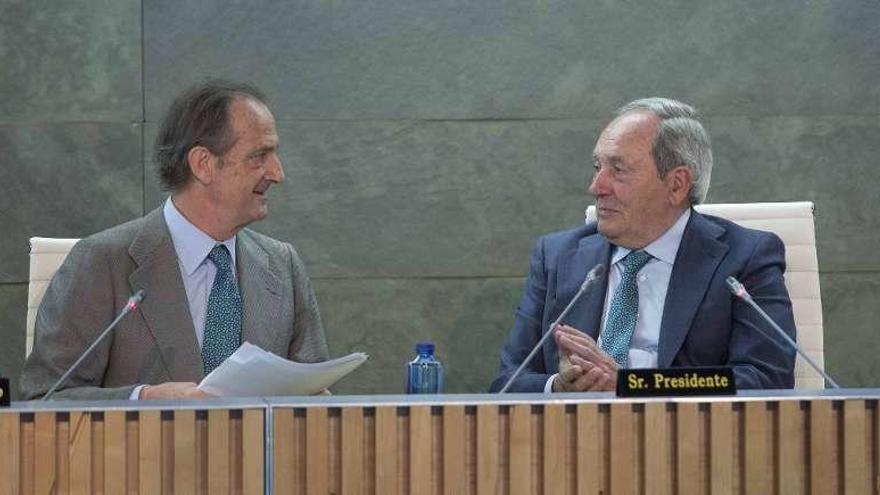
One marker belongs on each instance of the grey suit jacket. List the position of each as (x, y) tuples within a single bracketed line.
[(157, 343)]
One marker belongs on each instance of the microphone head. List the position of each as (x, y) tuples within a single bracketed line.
[(135, 300), (736, 287), (597, 272)]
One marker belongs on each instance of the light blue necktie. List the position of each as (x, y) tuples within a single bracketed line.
[(223, 319), (624, 310)]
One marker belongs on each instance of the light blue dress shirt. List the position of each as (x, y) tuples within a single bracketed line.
[(192, 247), (197, 271), (653, 282)]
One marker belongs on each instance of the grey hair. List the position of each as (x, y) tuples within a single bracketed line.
[(681, 141)]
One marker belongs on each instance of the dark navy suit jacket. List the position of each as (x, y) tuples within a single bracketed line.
[(702, 323)]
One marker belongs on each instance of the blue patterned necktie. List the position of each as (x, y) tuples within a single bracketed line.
[(223, 319), (624, 310)]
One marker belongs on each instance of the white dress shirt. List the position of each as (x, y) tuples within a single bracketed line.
[(653, 281)]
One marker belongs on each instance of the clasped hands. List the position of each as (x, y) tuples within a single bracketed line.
[(583, 366)]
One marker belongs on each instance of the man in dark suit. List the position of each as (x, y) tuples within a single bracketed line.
[(664, 302), (210, 283)]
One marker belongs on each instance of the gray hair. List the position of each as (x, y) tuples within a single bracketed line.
[(198, 117), (681, 141)]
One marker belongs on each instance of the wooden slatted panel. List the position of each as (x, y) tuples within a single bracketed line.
[(316, 448), (97, 453), (150, 451), (79, 453), (253, 430), (201, 445), (132, 446), (9, 453), (687, 443), (285, 451), (453, 451), (420, 450), (114, 452), (166, 452), (554, 449), (823, 479), (791, 448), (352, 450), (520, 449), (218, 451), (855, 451), (62, 463), (369, 446), (386, 451), (777, 450), (184, 452), (758, 457), (721, 456), (487, 449), (622, 456), (657, 462), (875, 450), (334, 440), (590, 460), (26, 446), (44, 450)]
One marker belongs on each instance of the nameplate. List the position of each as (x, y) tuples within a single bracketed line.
[(4, 392), (664, 382)]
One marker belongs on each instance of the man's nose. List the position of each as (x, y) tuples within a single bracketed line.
[(599, 184), (275, 171)]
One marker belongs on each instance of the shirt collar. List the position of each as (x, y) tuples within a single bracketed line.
[(663, 248), (191, 243)]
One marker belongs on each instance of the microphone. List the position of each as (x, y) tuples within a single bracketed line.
[(740, 291), (132, 304), (595, 274)]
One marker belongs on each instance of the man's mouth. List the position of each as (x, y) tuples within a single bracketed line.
[(262, 187)]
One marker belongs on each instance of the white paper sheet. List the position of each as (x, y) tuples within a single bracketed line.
[(253, 372)]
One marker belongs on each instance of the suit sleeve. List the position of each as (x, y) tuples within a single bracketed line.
[(761, 358), (526, 332), (309, 344), (77, 306)]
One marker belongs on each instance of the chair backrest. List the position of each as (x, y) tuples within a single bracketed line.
[(47, 254), (793, 223)]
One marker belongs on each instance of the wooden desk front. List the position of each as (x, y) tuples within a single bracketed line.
[(825, 443), (525, 444)]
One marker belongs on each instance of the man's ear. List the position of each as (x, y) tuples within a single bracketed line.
[(202, 164), (680, 182)]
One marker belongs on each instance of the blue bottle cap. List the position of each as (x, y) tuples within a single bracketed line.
[(425, 348)]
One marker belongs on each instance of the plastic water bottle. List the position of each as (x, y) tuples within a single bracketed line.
[(424, 374)]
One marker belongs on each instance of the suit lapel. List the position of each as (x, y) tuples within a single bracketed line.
[(586, 315), (260, 295), (165, 307), (698, 257)]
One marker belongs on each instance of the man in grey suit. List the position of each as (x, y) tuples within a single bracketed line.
[(665, 302), (210, 283)]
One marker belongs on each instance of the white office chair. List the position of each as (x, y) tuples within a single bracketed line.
[(793, 223), (47, 254)]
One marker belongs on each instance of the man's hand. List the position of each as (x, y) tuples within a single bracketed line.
[(583, 366), (173, 390)]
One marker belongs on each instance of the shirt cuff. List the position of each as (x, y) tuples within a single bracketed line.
[(548, 387), (136, 393)]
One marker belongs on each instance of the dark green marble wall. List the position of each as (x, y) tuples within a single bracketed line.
[(427, 144)]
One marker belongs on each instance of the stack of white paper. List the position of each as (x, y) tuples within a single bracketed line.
[(253, 372)]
